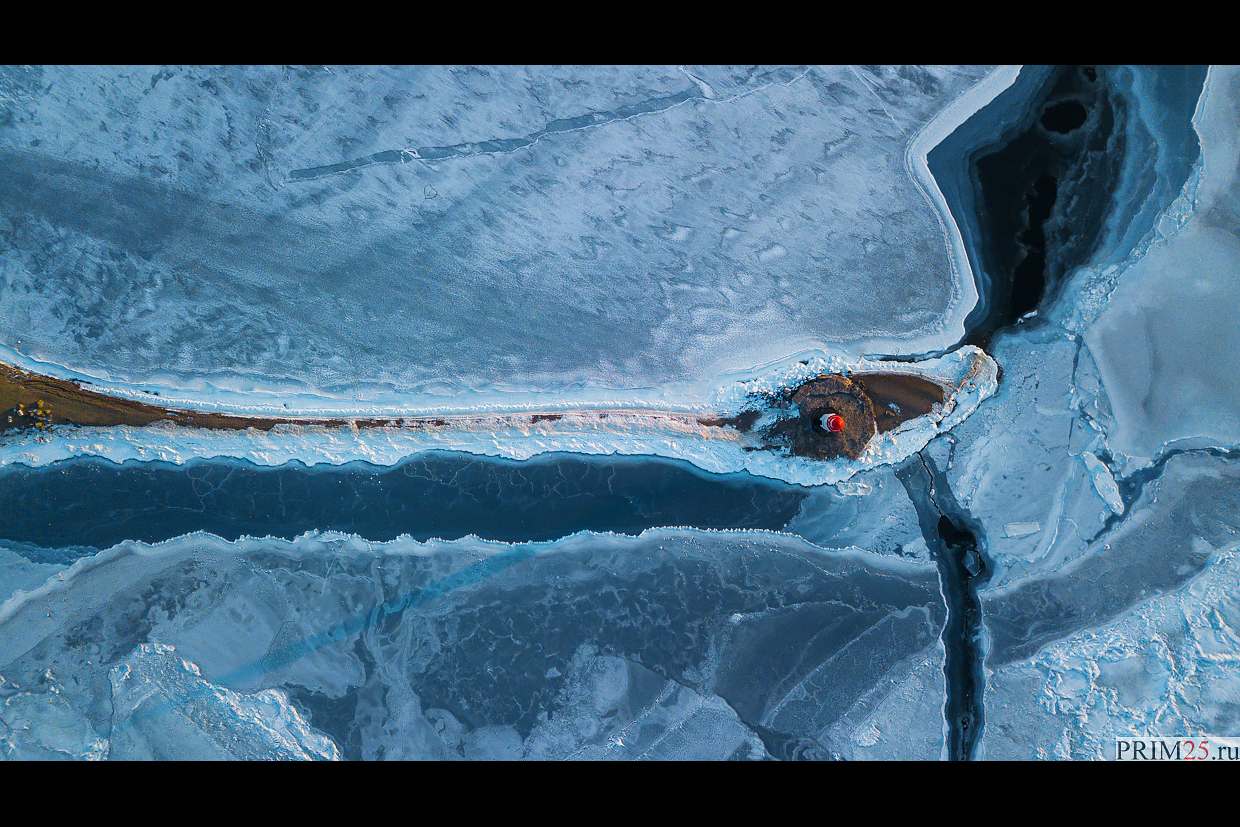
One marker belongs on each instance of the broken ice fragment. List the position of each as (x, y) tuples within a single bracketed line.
[(1015, 530), (1104, 482), (165, 710)]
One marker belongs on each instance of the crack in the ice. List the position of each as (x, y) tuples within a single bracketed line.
[(617, 738), (930, 488), (878, 98), (1132, 486), (560, 126), (265, 132), (952, 537), (111, 718)]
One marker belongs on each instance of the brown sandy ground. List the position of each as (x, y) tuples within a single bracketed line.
[(869, 403)]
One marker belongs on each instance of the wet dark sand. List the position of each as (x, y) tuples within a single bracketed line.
[(898, 397)]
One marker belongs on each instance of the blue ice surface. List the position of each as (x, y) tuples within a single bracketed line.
[(90, 504), (780, 638), (678, 610)]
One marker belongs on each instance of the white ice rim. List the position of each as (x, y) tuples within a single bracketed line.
[(916, 161), (968, 374)]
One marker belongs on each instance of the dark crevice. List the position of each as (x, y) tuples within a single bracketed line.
[(1131, 486), (1070, 138), (1032, 179), (1003, 172), (1064, 117), (1029, 277), (952, 537)]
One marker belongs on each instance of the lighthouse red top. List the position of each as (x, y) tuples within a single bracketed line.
[(834, 423)]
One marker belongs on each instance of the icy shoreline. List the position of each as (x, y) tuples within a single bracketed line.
[(636, 432), (969, 372)]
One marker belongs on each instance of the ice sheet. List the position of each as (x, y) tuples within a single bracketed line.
[(667, 240), (1167, 338), (1136, 637), (497, 229), (1166, 668), (674, 644)]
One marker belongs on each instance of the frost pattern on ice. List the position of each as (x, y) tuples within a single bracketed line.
[(41, 725), (1169, 667), (475, 229), (165, 710)]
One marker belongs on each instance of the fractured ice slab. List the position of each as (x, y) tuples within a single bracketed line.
[(1170, 666), (1167, 538), (870, 511), (1104, 482), (39, 724), (1016, 465), (615, 709), (673, 644), (434, 230), (1167, 338), (165, 710), (1037, 464), (1166, 344), (1141, 636)]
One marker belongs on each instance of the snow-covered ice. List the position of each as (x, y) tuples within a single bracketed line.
[(513, 229)]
